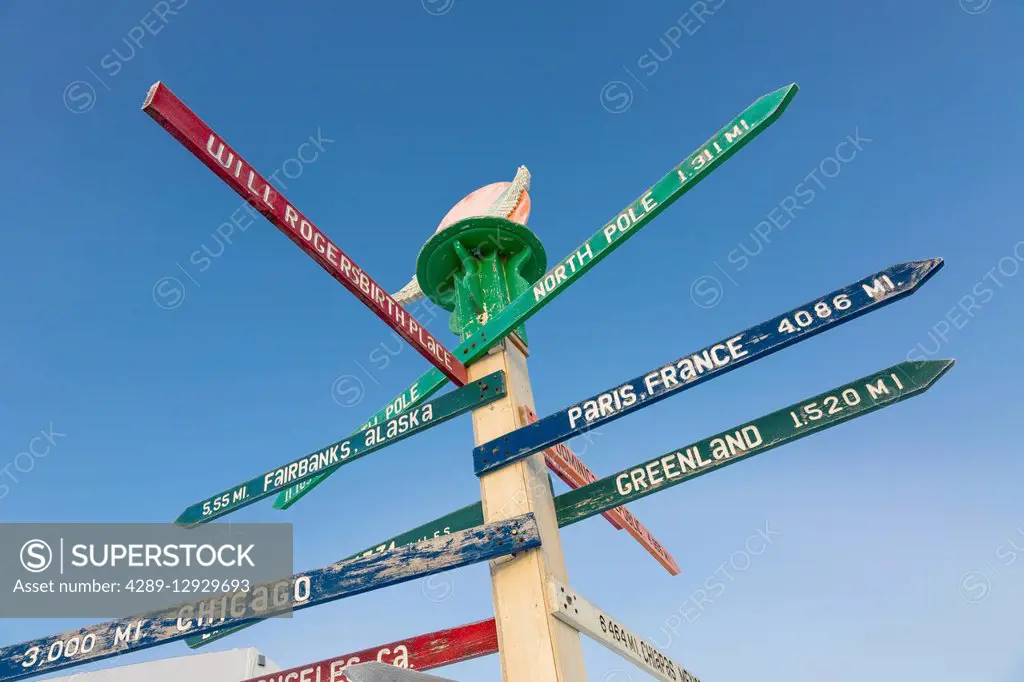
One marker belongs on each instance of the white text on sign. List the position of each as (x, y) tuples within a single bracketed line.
[(298, 225), (681, 462), (663, 379)]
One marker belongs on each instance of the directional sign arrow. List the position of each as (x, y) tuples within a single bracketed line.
[(424, 652), (303, 590), (570, 608), (331, 457), (876, 391), (814, 317), (182, 123), (754, 120), (823, 411)]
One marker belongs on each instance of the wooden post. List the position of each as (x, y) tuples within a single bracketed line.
[(534, 645)]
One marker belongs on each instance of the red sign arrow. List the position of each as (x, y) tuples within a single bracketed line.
[(424, 652), (182, 123), (575, 474)]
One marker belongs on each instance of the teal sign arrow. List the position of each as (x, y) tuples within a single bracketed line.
[(754, 120), (328, 459)]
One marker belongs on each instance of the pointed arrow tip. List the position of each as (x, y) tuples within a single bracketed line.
[(930, 264), (927, 372), (941, 367), (782, 97), (921, 271), (151, 94)]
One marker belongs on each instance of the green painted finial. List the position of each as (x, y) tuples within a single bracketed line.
[(476, 266)]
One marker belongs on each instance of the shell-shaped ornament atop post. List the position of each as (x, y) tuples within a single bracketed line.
[(481, 256)]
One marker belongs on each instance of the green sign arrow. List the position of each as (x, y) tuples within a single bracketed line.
[(335, 455), (734, 136), (823, 411), (855, 399)]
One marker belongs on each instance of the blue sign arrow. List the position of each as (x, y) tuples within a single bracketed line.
[(300, 591), (842, 305)]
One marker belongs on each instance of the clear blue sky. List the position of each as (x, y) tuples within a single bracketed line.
[(879, 520)]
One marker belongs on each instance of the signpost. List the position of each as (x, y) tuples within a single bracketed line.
[(425, 652), (300, 591), (743, 441), (335, 455), (754, 120), (538, 618), (182, 123), (573, 609), (575, 474), (814, 317)]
